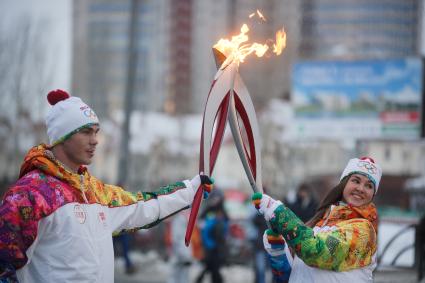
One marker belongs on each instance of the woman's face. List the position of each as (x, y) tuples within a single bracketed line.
[(358, 191)]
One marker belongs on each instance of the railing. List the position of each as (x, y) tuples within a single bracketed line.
[(418, 246), (390, 241)]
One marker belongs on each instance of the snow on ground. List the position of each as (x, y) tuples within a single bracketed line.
[(153, 269)]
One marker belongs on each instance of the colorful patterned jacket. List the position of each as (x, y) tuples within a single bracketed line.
[(341, 248), (56, 226)]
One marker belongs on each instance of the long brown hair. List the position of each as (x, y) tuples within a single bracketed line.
[(332, 197)]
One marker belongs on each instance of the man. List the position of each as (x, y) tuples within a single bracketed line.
[(305, 203), (56, 221)]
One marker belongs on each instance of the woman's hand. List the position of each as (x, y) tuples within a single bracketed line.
[(265, 204)]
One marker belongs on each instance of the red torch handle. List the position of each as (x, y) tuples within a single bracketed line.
[(193, 214), (218, 137)]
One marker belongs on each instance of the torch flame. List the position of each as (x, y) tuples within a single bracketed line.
[(280, 42), (258, 13), (237, 48)]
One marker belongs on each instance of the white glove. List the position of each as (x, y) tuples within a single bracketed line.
[(265, 204)]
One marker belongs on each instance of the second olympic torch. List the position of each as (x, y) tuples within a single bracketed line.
[(229, 101)]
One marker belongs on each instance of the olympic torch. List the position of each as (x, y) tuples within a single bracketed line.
[(229, 100)]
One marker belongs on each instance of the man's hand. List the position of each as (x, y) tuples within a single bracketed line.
[(206, 182), (265, 204)]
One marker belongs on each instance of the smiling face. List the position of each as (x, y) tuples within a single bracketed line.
[(359, 190), (78, 149)]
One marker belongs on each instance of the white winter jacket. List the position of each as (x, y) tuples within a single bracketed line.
[(56, 226)]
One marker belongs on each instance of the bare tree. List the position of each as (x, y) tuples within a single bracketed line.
[(23, 76)]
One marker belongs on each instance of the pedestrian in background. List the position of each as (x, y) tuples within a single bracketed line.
[(214, 231), (260, 256), (305, 203), (123, 241), (56, 222), (339, 243), (181, 257)]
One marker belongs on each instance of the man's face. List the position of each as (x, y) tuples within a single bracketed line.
[(80, 147), (359, 190)]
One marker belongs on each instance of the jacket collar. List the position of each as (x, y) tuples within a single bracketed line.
[(41, 157), (342, 211)]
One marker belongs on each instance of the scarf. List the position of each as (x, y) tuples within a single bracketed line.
[(344, 211)]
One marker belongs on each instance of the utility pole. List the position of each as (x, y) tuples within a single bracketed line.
[(129, 93)]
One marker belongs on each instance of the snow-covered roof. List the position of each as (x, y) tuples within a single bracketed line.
[(415, 184), (182, 134)]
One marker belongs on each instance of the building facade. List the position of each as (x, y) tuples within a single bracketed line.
[(175, 64), (359, 29), (100, 48)]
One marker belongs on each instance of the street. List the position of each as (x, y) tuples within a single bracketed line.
[(151, 269)]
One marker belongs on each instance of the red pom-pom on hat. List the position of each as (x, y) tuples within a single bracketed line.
[(57, 95), (370, 159)]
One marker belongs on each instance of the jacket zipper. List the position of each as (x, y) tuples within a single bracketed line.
[(82, 188)]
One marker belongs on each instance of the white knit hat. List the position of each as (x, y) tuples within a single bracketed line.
[(365, 166), (66, 116)]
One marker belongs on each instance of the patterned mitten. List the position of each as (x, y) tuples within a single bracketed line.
[(274, 244), (207, 183), (265, 204)]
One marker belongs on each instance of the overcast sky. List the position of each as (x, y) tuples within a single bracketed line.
[(57, 15)]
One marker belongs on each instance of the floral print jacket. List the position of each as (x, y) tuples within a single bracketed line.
[(346, 237), (48, 196)]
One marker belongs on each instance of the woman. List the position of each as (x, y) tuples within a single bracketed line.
[(339, 243)]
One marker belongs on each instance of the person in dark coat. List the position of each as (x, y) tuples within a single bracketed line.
[(214, 233), (305, 203)]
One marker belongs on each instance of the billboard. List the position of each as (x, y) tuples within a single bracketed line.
[(358, 99)]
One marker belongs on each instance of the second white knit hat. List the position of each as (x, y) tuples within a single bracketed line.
[(365, 166)]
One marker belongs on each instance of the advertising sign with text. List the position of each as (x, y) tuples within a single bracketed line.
[(358, 99)]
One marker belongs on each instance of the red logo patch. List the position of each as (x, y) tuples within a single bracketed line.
[(102, 218)]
